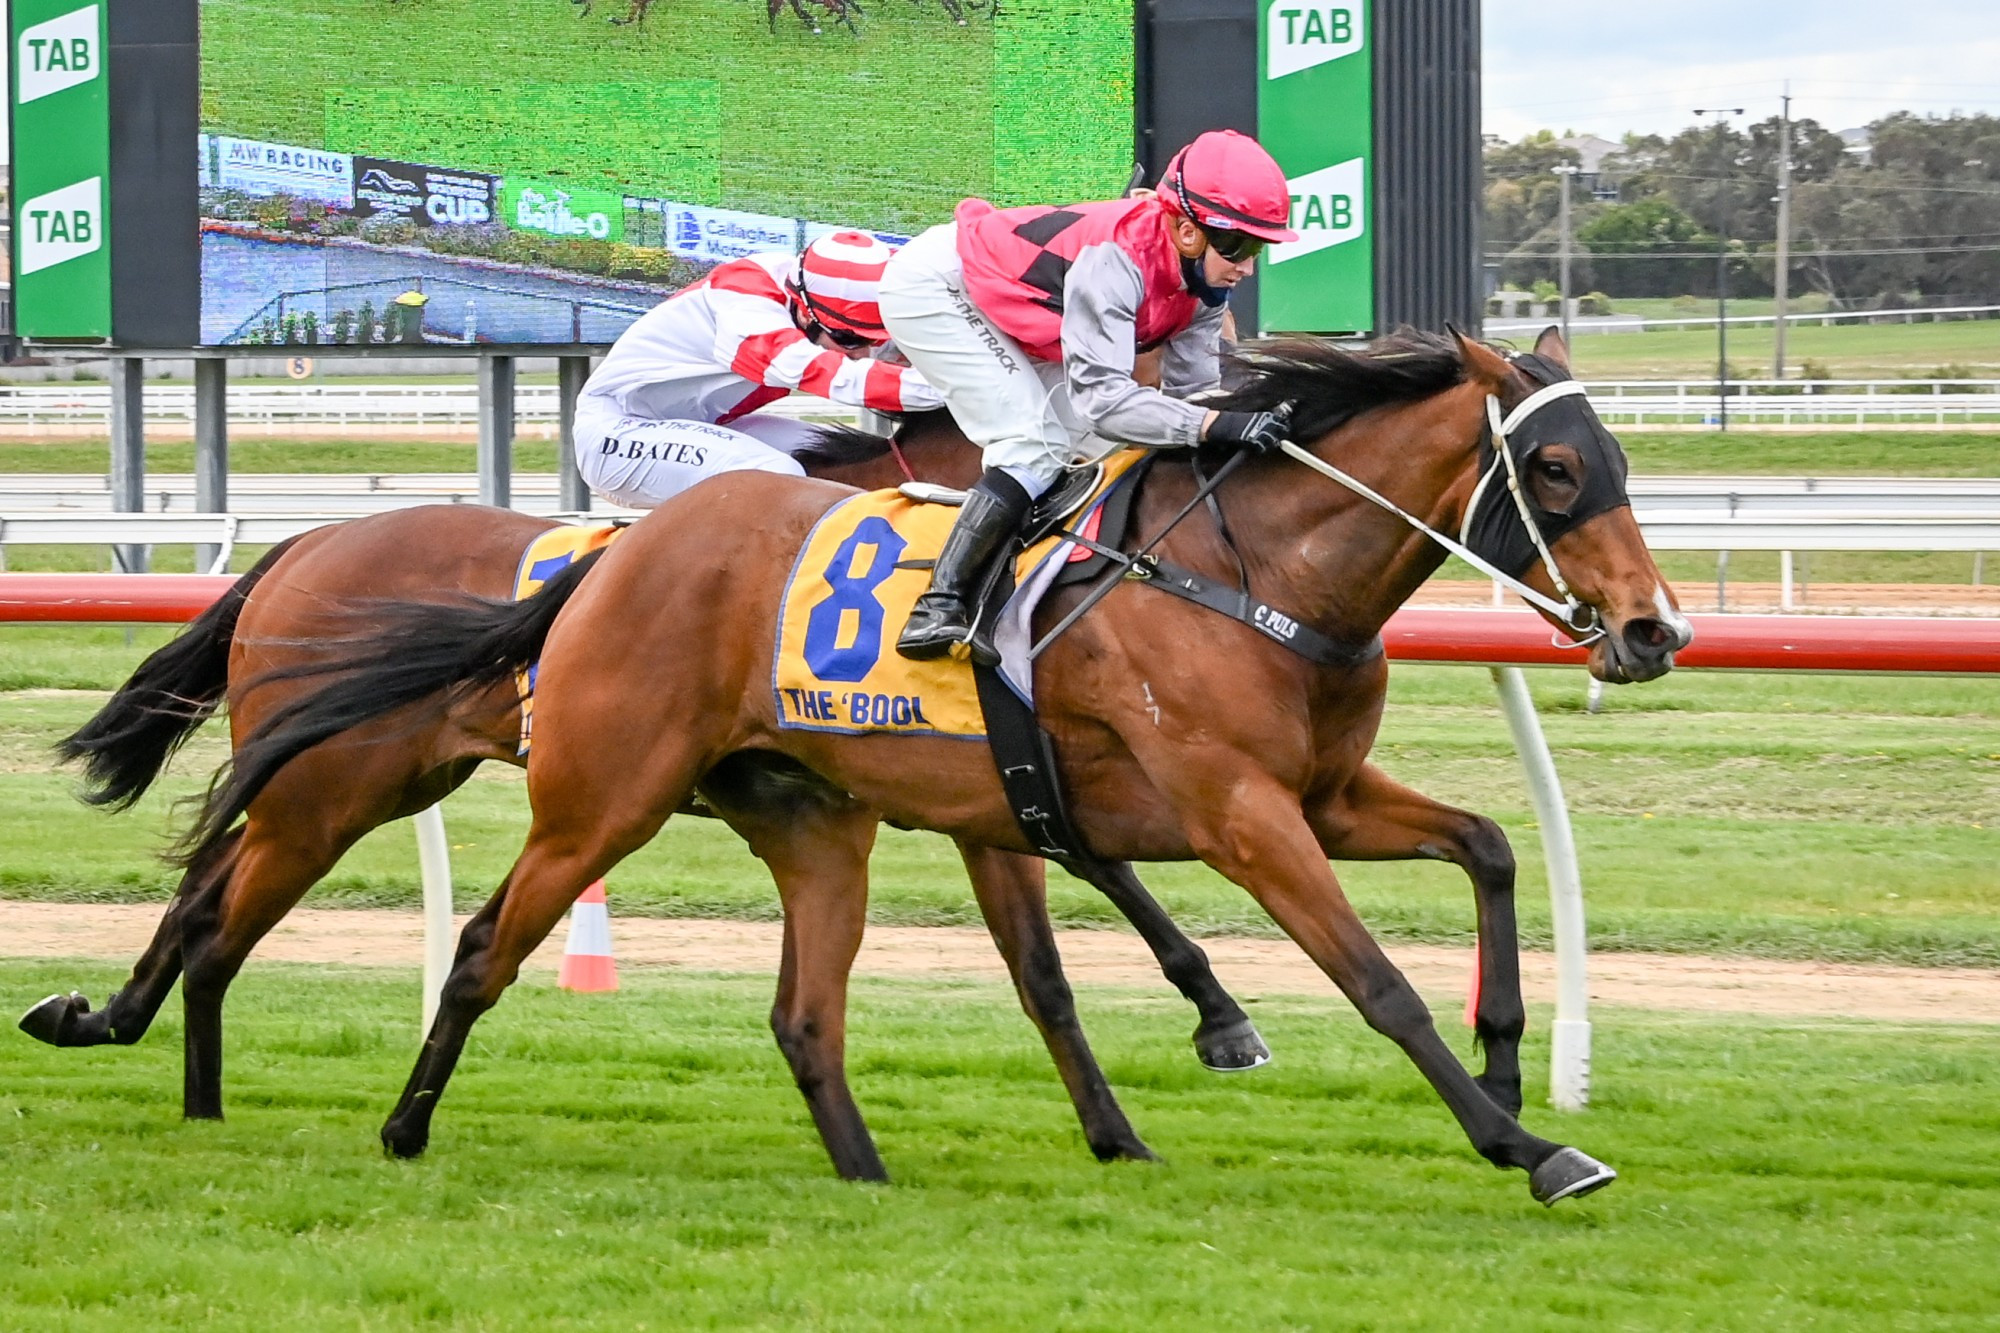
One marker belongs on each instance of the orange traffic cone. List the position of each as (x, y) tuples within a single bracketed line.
[(587, 963)]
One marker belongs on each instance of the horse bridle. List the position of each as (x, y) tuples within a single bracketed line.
[(1582, 621)]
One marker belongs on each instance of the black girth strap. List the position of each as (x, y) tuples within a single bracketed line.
[(1027, 763), (1267, 620)]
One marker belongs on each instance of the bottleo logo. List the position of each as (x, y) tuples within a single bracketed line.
[(1299, 36), (58, 54), (1329, 207), (61, 225)]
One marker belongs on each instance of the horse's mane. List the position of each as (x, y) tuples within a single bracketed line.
[(839, 446), (842, 446), (1328, 384)]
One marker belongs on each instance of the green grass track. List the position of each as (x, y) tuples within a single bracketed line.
[(641, 1161), (1806, 816)]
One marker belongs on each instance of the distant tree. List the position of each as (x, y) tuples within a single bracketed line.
[(1646, 248)]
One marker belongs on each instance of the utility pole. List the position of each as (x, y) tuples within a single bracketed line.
[(1565, 173), (1721, 261), (1783, 278)]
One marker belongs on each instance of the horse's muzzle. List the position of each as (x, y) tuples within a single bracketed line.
[(1642, 649)]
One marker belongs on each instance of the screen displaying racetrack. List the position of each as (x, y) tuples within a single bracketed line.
[(517, 172)]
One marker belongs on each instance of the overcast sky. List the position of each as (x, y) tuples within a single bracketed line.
[(1608, 66)]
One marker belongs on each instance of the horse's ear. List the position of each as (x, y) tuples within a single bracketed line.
[(1552, 346), (1481, 361)]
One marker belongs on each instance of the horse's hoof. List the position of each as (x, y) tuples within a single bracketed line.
[(403, 1145), (54, 1019), (1231, 1049), (1568, 1174), (1124, 1150)]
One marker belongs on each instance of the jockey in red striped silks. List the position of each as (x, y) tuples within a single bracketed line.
[(676, 399), (1029, 321)]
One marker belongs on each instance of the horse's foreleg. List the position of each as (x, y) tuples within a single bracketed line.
[(1226, 1040), (1257, 836), (1013, 897), (68, 1020), (1378, 819)]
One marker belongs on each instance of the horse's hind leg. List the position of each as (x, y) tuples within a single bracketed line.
[(587, 820), (1226, 1040), (68, 1020), (279, 856), (1378, 819), (1013, 897), (816, 841)]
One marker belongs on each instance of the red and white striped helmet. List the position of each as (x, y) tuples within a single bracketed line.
[(840, 282)]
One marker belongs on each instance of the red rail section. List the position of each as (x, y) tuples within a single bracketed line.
[(1914, 644)]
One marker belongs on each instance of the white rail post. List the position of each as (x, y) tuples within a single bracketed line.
[(1569, 1055), (1785, 580), (434, 857)]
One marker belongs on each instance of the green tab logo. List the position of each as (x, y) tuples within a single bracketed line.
[(1329, 207), (62, 225), (58, 54), (1299, 36)]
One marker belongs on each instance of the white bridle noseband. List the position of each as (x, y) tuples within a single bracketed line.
[(1580, 619)]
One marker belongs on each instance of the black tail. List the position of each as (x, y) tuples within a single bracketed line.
[(411, 651), (172, 693)]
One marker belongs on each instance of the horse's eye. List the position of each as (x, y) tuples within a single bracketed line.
[(1555, 471)]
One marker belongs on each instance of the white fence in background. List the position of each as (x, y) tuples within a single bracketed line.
[(1518, 327), (456, 406)]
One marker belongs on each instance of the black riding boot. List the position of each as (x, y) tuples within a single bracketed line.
[(992, 512)]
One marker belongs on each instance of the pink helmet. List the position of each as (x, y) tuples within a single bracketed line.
[(840, 283), (1227, 182)]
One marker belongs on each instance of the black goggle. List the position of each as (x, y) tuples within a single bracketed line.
[(1237, 247), (841, 338)]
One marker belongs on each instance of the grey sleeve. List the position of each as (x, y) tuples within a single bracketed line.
[(1101, 297), (1193, 363)]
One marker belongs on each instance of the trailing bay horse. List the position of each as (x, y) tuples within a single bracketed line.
[(1182, 733), (282, 615)]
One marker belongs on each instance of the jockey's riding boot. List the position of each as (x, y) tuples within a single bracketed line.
[(986, 524)]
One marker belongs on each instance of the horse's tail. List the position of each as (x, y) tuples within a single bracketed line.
[(411, 651), (124, 747)]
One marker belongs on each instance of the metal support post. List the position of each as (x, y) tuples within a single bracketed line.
[(571, 372), (128, 454), (1782, 275), (1565, 173), (1784, 580), (1569, 1056), (434, 862), (1722, 580), (496, 431), (211, 453)]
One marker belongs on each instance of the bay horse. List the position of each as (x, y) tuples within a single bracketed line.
[(1182, 734), (277, 618)]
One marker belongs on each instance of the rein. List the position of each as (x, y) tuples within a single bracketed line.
[(1142, 566), (1579, 619)]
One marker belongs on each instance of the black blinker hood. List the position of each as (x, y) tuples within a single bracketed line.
[(1494, 529)]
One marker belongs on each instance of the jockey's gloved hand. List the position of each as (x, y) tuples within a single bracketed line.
[(1260, 432)]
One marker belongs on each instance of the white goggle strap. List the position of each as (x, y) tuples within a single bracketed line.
[(1521, 499)]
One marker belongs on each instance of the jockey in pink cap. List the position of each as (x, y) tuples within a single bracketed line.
[(676, 399), (1028, 321)]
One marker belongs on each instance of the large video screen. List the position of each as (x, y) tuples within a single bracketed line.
[(517, 172)]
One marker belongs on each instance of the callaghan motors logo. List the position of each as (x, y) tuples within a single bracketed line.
[(61, 225), (57, 54)]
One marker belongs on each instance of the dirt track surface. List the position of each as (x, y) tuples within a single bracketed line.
[(1091, 957)]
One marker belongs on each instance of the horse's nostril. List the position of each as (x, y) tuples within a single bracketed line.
[(1648, 636)]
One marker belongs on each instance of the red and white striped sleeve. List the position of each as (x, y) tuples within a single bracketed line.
[(755, 338)]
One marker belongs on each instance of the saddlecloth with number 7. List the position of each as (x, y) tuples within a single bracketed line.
[(862, 568)]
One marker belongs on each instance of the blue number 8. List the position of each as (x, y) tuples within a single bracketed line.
[(852, 592)]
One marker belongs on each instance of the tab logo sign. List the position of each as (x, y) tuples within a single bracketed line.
[(58, 54), (1329, 207), (62, 225), (1300, 36)]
